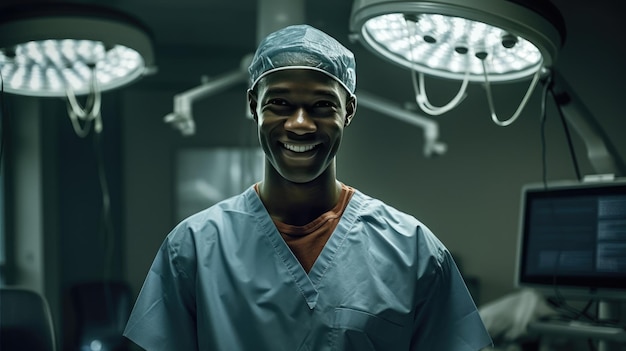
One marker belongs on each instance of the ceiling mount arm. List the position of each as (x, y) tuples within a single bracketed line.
[(432, 146), (182, 117), (601, 153)]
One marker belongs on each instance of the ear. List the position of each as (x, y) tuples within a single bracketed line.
[(252, 104), (350, 109)]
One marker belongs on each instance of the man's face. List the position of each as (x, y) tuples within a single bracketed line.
[(300, 115)]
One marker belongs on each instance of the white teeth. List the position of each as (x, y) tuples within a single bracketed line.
[(299, 148)]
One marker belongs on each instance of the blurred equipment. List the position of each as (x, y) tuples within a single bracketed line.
[(101, 312), (572, 248), (25, 321), (507, 318), (572, 239)]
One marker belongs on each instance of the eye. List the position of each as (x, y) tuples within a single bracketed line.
[(324, 108), (324, 103), (277, 102), (278, 106)]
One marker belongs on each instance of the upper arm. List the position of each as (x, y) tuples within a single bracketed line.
[(446, 317), (164, 315)]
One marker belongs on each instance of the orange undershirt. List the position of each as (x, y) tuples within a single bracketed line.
[(307, 241)]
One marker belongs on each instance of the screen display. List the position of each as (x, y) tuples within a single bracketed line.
[(574, 236)]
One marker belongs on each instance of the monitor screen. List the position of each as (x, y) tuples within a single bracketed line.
[(572, 239)]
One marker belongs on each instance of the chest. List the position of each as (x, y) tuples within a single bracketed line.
[(351, 299)]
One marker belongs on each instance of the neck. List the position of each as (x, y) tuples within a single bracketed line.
[(299, 203)]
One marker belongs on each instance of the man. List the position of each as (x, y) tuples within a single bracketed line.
[(301, 261)]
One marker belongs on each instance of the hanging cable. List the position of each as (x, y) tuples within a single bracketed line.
[(543, 117), (560, 302), (84, 120), (5, 267), (90, 114), (422, 99), (3, 127), (568, 136), (420, 87), (106, 220), (521, 106)]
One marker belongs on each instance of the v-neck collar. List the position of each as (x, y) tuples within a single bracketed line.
[(306, 283)]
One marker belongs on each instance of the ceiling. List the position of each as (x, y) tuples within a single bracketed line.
[(203, 26), (206, 29)]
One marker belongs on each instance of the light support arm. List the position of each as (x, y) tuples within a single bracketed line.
[(601, 153), (432, 146), (182, 117)]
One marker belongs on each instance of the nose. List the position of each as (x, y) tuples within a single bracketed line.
[(300, 122)]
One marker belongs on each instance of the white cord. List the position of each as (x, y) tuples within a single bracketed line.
[(420, 88), (517, 113), (422, 99), (90, 113)]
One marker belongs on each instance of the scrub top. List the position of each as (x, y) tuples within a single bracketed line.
[(224, 279)]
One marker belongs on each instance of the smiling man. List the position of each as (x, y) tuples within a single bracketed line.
[(300, 260), (301, 114)]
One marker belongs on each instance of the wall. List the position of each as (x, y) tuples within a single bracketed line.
[(25, 195)]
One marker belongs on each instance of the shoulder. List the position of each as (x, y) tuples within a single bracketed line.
[(393, 222), (202, 233), (376, 209), (377, 212), (204, 227), (241, 205)]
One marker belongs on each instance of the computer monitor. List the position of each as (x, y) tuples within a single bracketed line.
[(572, 239)]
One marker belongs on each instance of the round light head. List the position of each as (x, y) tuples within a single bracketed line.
[(45, 51), (450, 38)]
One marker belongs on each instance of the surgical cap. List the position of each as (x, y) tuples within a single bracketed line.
[(303, 47)]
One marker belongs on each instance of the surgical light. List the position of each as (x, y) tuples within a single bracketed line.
[(481, 41), (467, 40), (446, 38), (52, 49)]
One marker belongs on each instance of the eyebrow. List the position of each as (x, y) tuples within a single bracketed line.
[(318, 92)]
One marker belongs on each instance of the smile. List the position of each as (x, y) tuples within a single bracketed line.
[(299, 148)]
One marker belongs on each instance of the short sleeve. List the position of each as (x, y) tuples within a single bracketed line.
[(447, 318), (164, 315)]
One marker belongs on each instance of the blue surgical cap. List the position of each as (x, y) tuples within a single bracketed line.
[(303, 47)]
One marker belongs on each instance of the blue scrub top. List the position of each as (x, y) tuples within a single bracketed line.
[(224, 279)]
